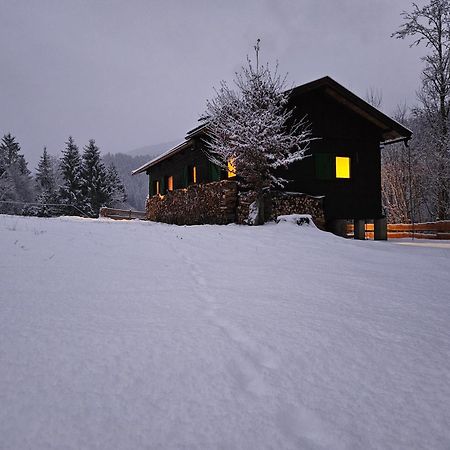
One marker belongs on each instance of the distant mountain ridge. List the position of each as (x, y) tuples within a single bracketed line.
[(154, 149)]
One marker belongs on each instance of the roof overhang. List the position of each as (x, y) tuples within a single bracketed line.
[(169, 153), (390, 129)]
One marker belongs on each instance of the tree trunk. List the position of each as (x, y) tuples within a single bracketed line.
[(443, 202)]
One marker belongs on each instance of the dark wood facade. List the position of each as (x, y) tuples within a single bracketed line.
[(345, 126), (180, 167)]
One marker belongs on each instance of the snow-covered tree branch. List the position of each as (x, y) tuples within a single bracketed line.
[(250, 127), (430, 25)]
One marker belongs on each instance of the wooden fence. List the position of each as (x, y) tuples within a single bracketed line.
[(425, 230), (122, 214)]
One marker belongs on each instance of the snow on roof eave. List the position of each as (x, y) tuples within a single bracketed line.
[(198, 129), (395, 141), (161, 157)]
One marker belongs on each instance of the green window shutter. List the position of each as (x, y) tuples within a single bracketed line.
[(150, 186), (215, 172), (324, 165), (162, 190)]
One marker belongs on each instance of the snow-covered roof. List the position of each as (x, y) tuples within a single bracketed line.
[(197, 130), (163, 156)]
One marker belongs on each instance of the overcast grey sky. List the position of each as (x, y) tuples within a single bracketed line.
[(136, 72)]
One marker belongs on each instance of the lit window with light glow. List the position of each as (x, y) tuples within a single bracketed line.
[(231, 168), (170, 183), (342, 167), (156, 187), (194, 174)]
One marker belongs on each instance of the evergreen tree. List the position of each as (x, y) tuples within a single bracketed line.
[(46, 185), (116, 190), (10, 155), (9, 150), (252, 132), (15, 180), (95, 179), (72, 183), (45, 178)]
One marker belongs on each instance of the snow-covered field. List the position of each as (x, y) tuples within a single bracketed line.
[(130, 335)]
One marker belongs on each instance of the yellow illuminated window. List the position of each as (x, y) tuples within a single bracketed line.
[(231, 168), (194, 174), (170, 183), (342, 167), (156, 187)]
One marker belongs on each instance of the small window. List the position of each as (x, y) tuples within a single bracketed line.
[(170, 183), (156, 187), (231, 168), (192, 174), (342, 167), (324, 163)]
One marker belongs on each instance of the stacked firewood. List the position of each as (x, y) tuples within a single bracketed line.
[(220, 203), (284, 203), (211, 203)]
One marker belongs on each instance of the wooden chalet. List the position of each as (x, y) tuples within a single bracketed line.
[(343, 164)]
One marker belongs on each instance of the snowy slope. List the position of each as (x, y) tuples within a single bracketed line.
[(129, 335)]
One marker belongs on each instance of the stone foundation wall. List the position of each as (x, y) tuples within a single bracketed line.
[(211, 203)]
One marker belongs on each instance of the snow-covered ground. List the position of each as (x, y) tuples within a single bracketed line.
[(130, 335)]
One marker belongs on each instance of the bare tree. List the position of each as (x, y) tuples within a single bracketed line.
[(395, 173), (430, 25), (375, 97), (407, 171)]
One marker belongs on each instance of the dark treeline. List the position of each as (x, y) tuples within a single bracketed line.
[(77, 183)]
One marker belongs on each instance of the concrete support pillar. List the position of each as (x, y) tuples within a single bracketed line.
[(337, 227), (380, 229), (360, 229)]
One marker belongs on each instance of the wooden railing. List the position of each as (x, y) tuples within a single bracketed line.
[(122, 214), (424, 230)]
